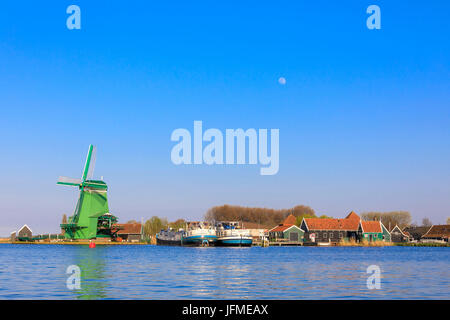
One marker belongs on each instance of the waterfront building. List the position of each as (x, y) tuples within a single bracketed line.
[(397, 235), (374, 231), (329, 230), (256, 230), (287, 231), (416, 233), (130, 232), (25, 233), (12, 237), (437, 233)]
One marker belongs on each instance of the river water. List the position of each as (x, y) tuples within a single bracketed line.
[(155, 272)]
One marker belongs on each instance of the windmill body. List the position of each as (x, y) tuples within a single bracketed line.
[(91, 218)]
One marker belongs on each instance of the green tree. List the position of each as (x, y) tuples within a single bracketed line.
[(153, 225)]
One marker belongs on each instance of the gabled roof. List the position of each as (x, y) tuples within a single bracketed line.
[(398, 228), (331, 224), (24, 227), (129, 228), (371, 226), (282, 228), (290, 219), (353, 215), (438, 231)]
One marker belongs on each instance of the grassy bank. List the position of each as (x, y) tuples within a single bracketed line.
[(421, 244)]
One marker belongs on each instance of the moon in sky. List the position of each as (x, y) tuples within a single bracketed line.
[(282, 81)]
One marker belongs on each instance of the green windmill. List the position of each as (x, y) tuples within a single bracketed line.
[(91, 218)]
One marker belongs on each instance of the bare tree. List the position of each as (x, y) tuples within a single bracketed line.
[(389, 219), (426, 222)]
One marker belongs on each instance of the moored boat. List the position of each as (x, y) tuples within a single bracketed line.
[(230, 234), (170, 237), (200, 234)]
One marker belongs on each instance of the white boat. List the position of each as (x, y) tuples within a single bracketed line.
[(199, 233), (229, 233)]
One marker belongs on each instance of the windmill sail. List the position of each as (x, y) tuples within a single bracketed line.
[(90, 173), (87, 166), (69, 181)]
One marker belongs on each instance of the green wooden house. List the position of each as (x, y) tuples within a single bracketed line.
[(287, 231), (374, 231)]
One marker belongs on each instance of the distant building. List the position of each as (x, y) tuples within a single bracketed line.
[(416, 233), (440, 233), (12, 238), (256, 230), (25, 234), (130, 232), (287, 231), (397, 235)]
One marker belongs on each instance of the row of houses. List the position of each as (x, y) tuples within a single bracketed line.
[(352, 228)]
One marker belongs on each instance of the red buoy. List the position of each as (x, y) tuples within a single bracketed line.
[(91, 244)]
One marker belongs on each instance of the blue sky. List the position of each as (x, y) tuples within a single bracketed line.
[(364, 117)]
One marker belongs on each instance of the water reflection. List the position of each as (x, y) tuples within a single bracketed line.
[(92, 263), (152, 272)]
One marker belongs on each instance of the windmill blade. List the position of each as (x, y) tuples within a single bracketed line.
[(88, 163), (90, 173), (69, 181)]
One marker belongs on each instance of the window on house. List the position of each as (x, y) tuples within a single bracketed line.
[(325, 235), (331, 235)]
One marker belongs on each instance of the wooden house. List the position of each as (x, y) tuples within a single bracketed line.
[(12, 237), (130, 232), (397, 235), (416, 233), (374, 231), (437, 233), (330, 230), (25, 234), (287, 231)]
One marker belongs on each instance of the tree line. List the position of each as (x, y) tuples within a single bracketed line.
[(263, 216)]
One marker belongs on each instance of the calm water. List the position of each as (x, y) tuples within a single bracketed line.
[(152, 272)]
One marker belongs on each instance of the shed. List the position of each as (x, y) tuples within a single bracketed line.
[(130, 232), (25, 233), (397, 235)]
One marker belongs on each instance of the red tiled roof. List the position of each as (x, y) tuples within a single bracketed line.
[(371, 226), (291, 219), (129, 228), (332, 224), (438, 231), (353, 215)]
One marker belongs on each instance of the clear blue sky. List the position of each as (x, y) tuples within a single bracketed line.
[(364, 117)]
